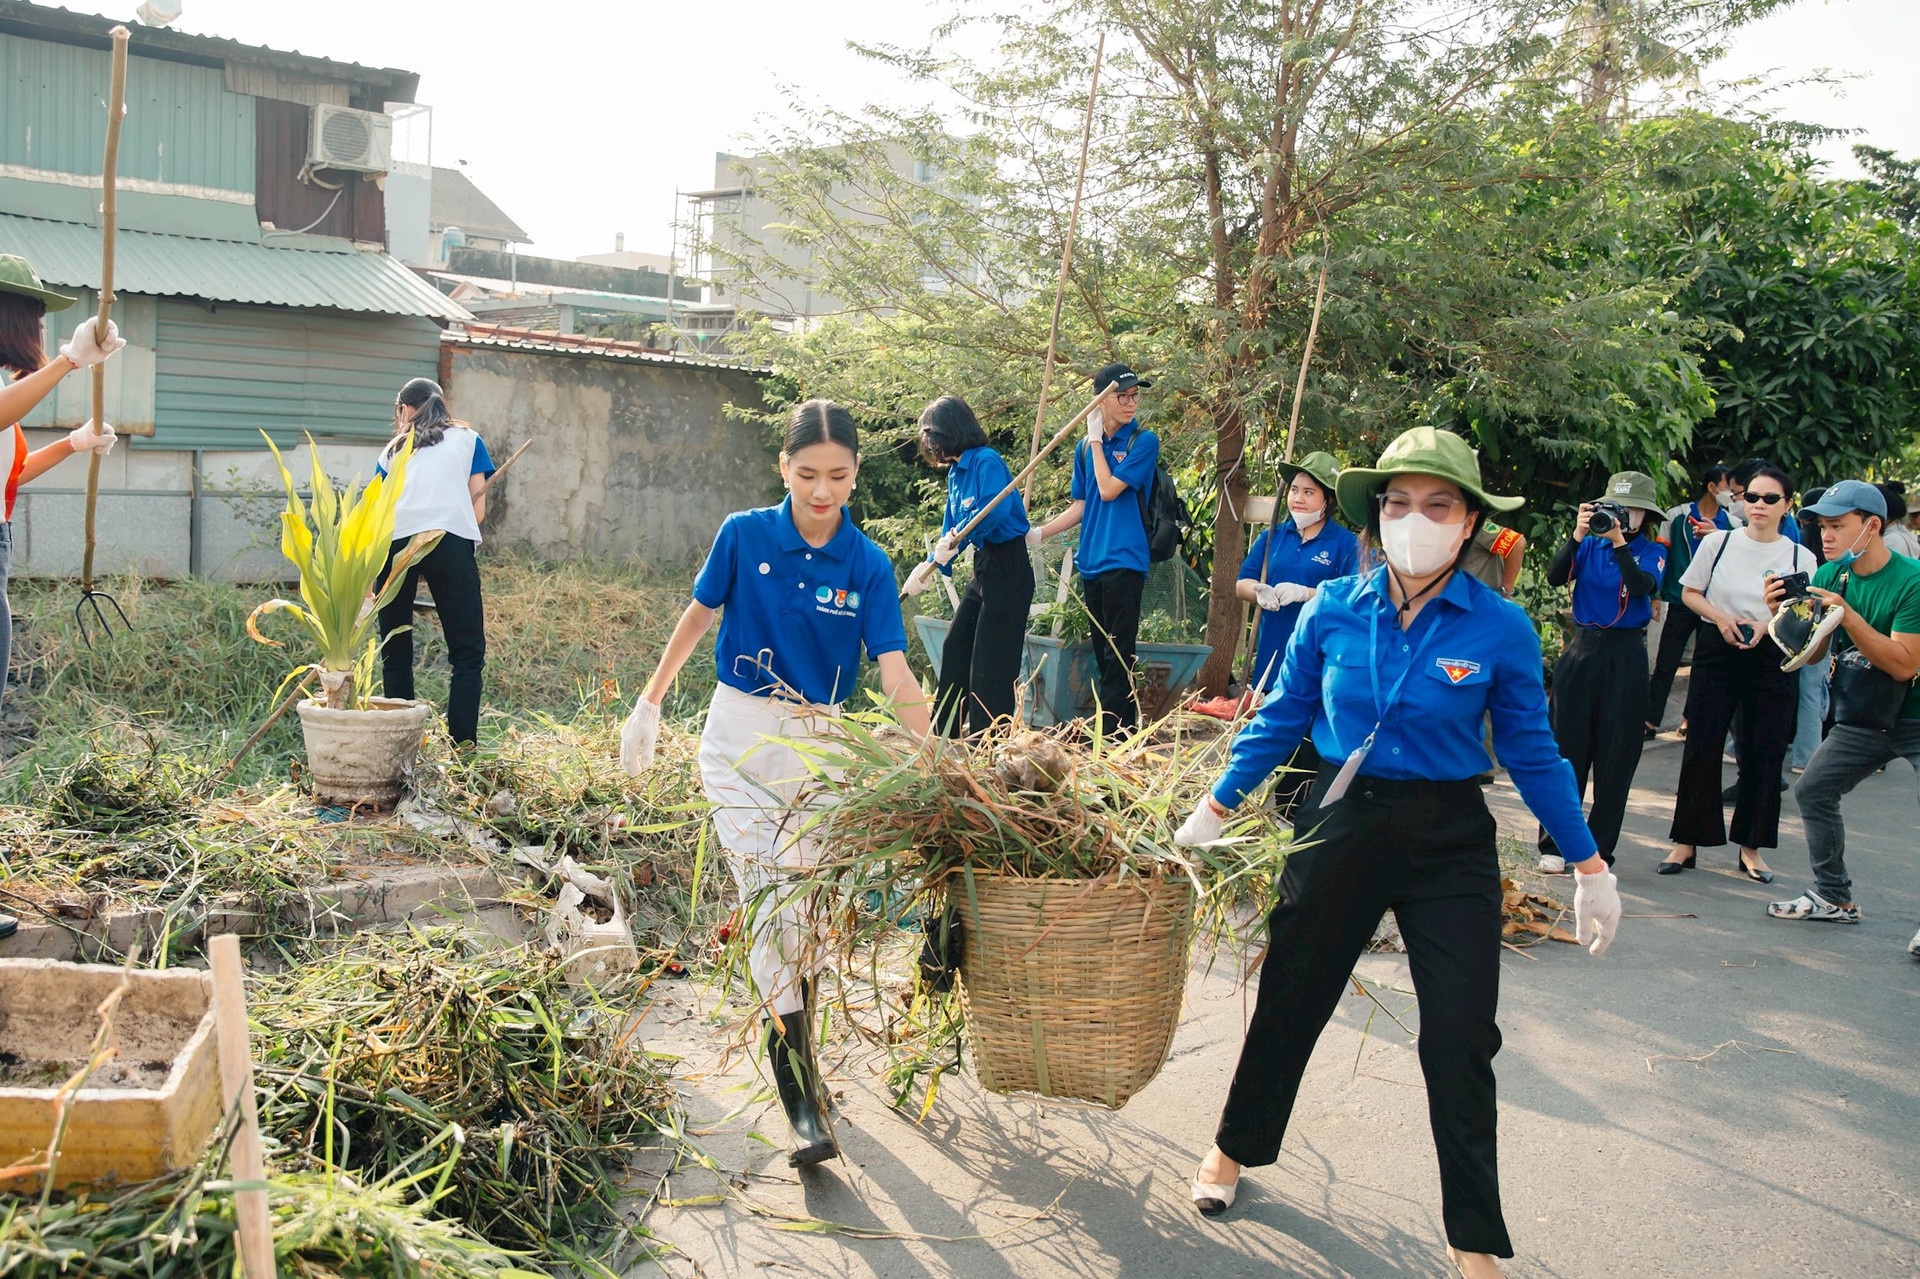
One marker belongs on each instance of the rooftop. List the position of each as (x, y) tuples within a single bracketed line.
[(503, 337), (457, 202)]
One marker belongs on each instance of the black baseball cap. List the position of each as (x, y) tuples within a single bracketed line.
[(1119, 377)]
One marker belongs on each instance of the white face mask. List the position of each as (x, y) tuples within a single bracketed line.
[(1417, 547), (1738, 506), (1304, 520)]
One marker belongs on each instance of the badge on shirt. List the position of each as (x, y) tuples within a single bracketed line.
[(842, 602), (1456, 668)]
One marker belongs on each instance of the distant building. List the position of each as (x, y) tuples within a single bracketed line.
[(461, 216), (254, 284), (629, 261)]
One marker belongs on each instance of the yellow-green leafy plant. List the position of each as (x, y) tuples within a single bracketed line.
[(338, 541)]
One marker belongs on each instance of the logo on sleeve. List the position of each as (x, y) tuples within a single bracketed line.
[(1456, 668)]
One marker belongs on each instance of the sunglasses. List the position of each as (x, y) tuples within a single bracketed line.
[(1767, 499)]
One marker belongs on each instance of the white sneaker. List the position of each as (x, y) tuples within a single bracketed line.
[(1913, 947), (1552, 865), (1811, 905)]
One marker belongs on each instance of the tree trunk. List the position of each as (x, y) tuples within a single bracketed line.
[(1225, 614)]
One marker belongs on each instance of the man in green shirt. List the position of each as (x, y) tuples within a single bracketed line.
[(1878, 594)]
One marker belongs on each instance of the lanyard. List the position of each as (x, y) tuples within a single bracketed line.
[(1344, 778)]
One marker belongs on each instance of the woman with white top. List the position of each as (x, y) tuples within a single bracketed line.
[(1737, 680), (449, 466)]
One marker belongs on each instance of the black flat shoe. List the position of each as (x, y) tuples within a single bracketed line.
[(1757, 876), (1674, 868)]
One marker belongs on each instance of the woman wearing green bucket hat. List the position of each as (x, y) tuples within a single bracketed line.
[(1283, 570), (1392, 672), (24, 303)]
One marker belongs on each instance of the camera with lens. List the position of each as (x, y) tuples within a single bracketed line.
[(1606, 517)]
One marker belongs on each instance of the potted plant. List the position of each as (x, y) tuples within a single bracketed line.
[(360, 748)]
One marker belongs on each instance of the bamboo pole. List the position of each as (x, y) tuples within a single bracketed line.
[(236, 1079), (1066, 261), (109, 166), (1293, 427)]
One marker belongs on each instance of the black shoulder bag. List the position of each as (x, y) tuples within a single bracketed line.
[(1864, 696)]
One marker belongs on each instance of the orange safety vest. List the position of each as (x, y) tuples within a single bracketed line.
[(19, 465)]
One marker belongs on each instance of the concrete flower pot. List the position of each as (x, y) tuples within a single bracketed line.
[(362, 757)]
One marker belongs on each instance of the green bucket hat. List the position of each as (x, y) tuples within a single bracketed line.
[(17, 277), (1631, 488), (1320, 466), (1424, 450)]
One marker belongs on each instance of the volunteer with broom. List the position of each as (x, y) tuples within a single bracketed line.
[(1392, 673), (24, 303), (446, 472), (1283, 570), (799, 592), (981, 660)]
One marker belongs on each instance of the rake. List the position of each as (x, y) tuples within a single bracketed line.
[(116, 108)]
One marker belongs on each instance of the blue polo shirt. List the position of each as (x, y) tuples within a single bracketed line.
[(975, 479), (1112, 535), (1469, 654), (798, 614), (1720, 521), (1600, 598), (1334, 553)]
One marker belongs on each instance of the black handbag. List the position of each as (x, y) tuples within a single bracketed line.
[(1864, 696)]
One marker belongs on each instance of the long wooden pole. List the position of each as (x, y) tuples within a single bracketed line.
[(109, 165), (236, 1080), (1293, 426), (1066, 261)]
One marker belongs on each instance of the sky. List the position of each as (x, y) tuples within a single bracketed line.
[(582, 118)]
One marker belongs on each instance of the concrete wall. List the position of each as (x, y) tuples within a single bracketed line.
[(629, 458)]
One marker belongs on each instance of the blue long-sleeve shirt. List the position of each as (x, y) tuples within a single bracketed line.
[(976, 478), (1333, 553), (1469, 653)]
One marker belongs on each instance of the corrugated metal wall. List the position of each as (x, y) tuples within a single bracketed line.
[(183, 125), (224, 373)]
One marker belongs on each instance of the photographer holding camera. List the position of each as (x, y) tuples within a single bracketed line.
[(1876, 708), (1737, 683), (1600, 682)]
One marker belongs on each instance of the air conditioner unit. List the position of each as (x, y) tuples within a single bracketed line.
[(343, 138)]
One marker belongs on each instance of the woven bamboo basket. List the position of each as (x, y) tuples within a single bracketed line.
[(1072, 987)]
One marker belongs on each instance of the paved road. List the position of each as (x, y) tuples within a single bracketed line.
[(1791, 1147)]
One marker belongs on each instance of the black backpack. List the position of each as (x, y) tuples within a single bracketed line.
[(1164, 516)]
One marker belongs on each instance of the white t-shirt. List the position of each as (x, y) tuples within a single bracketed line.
[(435, 493), (1901, 541), (1739, 578)]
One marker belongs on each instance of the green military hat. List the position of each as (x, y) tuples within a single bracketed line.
[(1424, 450), (17, 277), (1631, 488), (1320, 466)]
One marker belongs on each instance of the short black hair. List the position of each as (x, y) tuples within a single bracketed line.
[(948, 428), (1895, 493), (1742, 473), (1713, 475)]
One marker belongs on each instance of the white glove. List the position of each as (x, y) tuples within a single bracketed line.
[(638, 735), (1596, 910), (1096, 427), (921, 577), (1293, 592), (1033, 536), (84, 351), (86, 439), (1202, 827), (946, 548)]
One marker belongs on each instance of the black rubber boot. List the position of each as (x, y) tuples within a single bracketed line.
[(797, 1080)]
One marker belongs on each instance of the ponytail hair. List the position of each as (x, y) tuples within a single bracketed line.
[(431, 417), (820, 422)]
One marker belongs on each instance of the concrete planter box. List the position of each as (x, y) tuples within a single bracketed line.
[(147, 1112), (1060, 678)]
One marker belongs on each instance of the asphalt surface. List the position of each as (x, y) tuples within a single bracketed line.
[(1722, 1094)]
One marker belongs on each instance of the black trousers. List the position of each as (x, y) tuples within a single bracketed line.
[(1681, 625), (1290, 789), (1745, 690), (454, 578), (981, 660), (1425, 849), (1599, 723), (1113, 605)]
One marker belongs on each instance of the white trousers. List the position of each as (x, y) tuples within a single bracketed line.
[(762, 794)]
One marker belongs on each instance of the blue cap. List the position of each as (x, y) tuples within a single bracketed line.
[(1848, 496)]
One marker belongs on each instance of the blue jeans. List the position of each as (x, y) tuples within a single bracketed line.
[(1848, 757), (1813, 709)]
